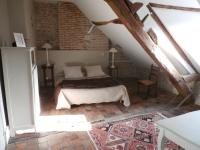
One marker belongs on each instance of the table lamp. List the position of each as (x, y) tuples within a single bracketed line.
[(113, 51), (47, 46)]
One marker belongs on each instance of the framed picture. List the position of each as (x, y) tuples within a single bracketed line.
[(19, 39)]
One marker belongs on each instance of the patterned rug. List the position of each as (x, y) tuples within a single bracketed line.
[(133, 133)]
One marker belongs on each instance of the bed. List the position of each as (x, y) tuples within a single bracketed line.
[(70, 92)]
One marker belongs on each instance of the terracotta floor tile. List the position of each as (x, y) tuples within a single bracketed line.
[(32, 147), (43, 139), (94, 112), (56, 147), (11, 146), (73, 137), (43, 146), (21, 146)]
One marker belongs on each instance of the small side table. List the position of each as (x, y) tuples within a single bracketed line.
[(48, 80), (113, 72)]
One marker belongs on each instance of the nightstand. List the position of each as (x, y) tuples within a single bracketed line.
[(113, 72), (48, 74)]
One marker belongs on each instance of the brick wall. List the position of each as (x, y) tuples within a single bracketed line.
[(65, 26), (46, 24)]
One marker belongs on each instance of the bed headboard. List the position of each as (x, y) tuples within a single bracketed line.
[(72, 57)]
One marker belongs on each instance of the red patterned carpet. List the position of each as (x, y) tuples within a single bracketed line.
[(135, 133)]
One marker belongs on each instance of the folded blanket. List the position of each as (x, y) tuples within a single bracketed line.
[(89, 83), (85, 84)]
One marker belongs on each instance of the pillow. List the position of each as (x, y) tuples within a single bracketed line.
[(73, 72), (94, 71)]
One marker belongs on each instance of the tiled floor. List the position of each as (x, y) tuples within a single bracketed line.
[(77, 140)]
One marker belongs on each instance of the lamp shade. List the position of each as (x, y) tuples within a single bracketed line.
[(113, 50), (47, 46)]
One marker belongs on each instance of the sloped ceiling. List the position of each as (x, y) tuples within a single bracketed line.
[(98, 10), (185, 30)]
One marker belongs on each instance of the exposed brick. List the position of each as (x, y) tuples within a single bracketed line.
[(46, 24), (65, 26)]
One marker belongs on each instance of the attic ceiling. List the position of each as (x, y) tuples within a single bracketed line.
[(133, 32), (99, 10), (119, 34)]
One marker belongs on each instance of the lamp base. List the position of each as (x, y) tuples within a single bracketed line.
[(112, 67), (48, 64)]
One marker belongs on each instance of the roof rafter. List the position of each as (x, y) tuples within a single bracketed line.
[(167, 33), (174, 7), (100, 23), (122, 10)]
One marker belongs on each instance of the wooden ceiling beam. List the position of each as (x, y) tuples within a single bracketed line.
[(100, 23), (170, 37), (123, 12), (174, 7), (133, 7)]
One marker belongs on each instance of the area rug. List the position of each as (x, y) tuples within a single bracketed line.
[(133, 133)]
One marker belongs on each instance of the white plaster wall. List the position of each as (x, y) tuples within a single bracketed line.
[(20, 13), (98, 10), (29, 17), (4, 24), (62, 57), (16, 13)]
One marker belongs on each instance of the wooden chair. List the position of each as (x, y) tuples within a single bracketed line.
[(151, 83)]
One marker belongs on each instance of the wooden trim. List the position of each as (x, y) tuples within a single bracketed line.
[(191, 78), (123, 12), (133, 7), (145, 18), (170, 37), (153, 36), (174, 7), (100, 23)]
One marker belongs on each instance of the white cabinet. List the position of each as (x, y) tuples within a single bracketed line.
[(20, 78)]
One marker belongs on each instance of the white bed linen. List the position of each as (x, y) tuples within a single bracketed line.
[(68, 97)]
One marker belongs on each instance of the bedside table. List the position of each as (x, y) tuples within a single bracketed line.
[(48, 79), (113, 72)]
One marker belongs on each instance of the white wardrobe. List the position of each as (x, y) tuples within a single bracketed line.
[(21, 86)]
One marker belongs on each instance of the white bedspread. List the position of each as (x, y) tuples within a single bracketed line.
[(68, 97)]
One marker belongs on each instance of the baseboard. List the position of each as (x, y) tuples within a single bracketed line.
[(25, 129)]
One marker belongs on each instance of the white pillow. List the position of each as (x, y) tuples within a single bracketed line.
[(73, 72), (94, 71)]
